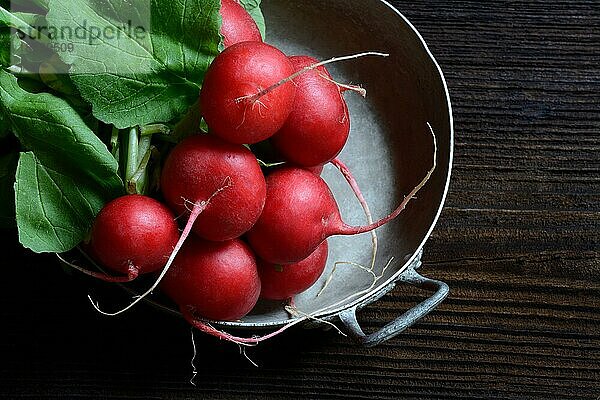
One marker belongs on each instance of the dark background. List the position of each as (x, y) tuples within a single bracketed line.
[(518, 243)]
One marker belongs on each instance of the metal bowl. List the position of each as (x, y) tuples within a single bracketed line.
[(389, 151)]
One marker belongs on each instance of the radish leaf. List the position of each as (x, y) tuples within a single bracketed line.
[(66, 175), (140, 62), (4, 62), (8, 167), (54, 209), (253, 8), (5, 46)]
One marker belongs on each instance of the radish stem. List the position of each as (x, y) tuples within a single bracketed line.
[(137, 183), (114, 142), (253, 98), (153, 129), (133, 272), (354, 230), (132, 154), (207, 328), (361, 199)]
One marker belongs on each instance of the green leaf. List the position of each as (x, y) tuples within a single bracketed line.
[(66, 176), (21, 21), (137, 79), (11, 47), (5, 46), (51, 74), (53, 209), (14, 27), (6, 17), (30, 19), (8, 167), (4, 62), (253, 8)]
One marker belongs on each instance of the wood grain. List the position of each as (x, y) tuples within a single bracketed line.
[(518, 243)]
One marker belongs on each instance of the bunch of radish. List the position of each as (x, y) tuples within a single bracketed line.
[(251, 232)]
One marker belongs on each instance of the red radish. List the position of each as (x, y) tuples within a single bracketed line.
[(217, 281), (242, 99), (280, 282), (238, 25), (300, 212), (197, 168), (133, 235), (318, 126)]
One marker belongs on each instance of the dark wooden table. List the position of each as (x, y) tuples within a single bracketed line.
[(519, 244)]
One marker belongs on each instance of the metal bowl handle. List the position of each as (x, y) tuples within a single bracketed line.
[(409, 318)]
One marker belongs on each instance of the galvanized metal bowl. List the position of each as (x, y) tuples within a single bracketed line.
[(390, 150)]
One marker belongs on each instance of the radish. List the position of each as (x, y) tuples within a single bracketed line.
[(197, 168), (318, 126), (217, 281), (133, 235), (300, 212), (281, 282), (242, 98), (238, 25)]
